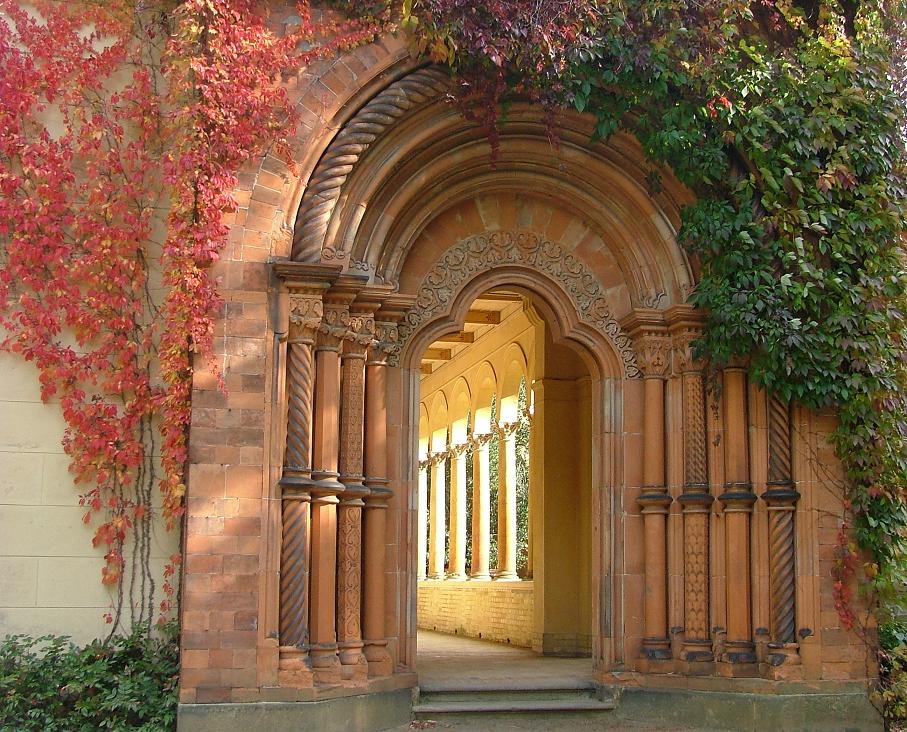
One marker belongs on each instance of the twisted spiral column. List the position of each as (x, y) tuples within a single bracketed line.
[(305, 316), (326, 182), (781, 499)]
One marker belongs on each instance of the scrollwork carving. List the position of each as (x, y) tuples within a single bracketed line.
[(478, 254)]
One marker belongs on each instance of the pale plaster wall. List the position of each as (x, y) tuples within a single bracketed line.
[(495, 611), (50, 575)]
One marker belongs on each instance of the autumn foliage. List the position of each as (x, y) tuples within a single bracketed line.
[(122, 127)]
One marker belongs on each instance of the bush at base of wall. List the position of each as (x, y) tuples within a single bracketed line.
[(126, 683)]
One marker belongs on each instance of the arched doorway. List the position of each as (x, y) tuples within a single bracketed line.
[(505, 486)]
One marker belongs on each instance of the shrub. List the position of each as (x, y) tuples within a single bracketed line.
[(893, 674), (128, 682)]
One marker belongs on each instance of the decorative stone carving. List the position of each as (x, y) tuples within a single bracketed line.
[(781, 498), (695, 500), (294, 574), (334, 327), (306, 312), (344, 152), (487, 251), (653, 351)]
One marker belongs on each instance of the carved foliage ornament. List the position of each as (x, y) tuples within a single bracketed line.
[(482, 253), (654, 354), (306, 312)]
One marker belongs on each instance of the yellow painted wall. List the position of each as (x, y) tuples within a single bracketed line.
[(50, 575)]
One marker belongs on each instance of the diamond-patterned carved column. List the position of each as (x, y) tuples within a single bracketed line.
[(349, 512), (305, 314), (696, 499), (653, 349)]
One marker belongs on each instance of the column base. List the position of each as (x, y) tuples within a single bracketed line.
[(480, 577), (739, 652), (697, 651), (326, 665), (353, 666), (458, 577), (507, 577), (293, 667), (379, 660), (656, 649)]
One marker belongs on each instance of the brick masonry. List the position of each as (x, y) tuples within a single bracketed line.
[(494, 611)]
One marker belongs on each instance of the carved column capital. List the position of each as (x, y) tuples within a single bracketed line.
[(306, 314), (385, 348), (653, 353), (360, 335), (334, 326), (683, 351)]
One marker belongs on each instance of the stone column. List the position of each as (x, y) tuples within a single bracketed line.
[(653, 351), (781, 499), (507, 518), (325, 491), (422, 513), (374, 544), (349, 512), (306, 312), (438, 523), (696, 500), (457, 513), (738, 499), (481, 509)]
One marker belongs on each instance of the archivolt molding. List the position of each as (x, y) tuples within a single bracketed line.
[(324, 187), (481, 253)]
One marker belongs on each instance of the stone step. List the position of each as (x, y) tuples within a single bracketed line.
[(496, 700), (511, 706)]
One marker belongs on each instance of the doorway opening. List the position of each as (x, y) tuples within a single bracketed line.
[(504, 532)]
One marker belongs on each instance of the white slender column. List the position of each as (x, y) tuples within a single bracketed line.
[(458, 513), (438, 528), (507, 505), (422, 527), (481, 510)]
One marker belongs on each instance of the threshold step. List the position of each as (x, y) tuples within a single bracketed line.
[(482, 706)]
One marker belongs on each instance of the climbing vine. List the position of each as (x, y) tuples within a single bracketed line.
[(787, 120), (122, 127)]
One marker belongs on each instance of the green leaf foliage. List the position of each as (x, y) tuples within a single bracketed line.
[(127, 683)]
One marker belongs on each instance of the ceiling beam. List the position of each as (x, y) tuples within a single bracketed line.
[(426, 368), (461, 337), (437, 354), (483, 317)]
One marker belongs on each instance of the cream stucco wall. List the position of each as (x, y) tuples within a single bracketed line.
[(50, 575)]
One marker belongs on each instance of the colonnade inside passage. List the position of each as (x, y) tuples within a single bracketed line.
[(448, 450)]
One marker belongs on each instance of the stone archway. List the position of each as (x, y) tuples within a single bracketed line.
[(706, 556)]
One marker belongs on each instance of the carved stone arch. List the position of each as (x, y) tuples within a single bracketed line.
[(311, 242), (527, 251), (483, 393), (460, 399)]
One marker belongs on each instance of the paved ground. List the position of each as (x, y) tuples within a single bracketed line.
[(453, 662), (446, 661)]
